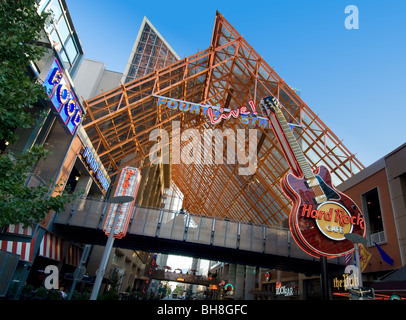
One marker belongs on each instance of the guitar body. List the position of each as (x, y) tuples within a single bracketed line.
[(319, 228)]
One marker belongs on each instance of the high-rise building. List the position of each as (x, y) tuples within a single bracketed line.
[(150, 52)]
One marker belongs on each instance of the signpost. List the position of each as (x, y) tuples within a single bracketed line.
[(118, 217), (106, 254)]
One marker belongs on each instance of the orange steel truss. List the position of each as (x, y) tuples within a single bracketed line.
[(228, 73)]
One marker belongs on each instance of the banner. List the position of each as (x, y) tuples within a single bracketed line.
[(127, 186), (365, 256)]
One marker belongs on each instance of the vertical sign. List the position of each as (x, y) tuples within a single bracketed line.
[(127, 186), (151, 268), (62, 97)]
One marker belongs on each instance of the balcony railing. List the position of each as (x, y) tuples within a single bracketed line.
[(175, 225)]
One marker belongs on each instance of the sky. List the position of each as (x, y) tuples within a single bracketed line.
[(354, 80)]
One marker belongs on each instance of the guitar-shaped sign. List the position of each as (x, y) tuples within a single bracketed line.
[(320, 214)]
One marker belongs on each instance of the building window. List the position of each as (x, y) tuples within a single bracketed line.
[(62, 35), (116, 259), (373, 216)]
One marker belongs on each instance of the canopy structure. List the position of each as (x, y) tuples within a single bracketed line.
[(227, 74)]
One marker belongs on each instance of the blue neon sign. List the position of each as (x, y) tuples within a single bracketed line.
[(62, 97), (92, 163)]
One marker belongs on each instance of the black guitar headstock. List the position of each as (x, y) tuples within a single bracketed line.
[(270, 103)]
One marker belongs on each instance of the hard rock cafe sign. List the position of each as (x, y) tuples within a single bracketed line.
[(320, 215)]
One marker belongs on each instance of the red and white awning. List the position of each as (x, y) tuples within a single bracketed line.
[(51, 247), (24, 249)]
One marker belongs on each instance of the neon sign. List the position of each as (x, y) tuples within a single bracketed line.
[(90, 160), (229, 289), (127, 186), (151, 267), (216, 114), (333, 219), (62, 97), (232, 113), (283, 290), (350, 279)]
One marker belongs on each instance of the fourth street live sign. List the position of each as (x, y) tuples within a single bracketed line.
[(127, 186)]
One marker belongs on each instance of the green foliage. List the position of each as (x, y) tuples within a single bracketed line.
[(55, 295), (19, 202), (41, 293), (27, 290), (20, 30), (178, 290)]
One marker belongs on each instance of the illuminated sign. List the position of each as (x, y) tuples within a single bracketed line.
[(127, 186), (229, 289), (94, 166), (150, 269), (320, 214), (62, 97), (283, 290), (350, 279), (231, 113), (333, 219), (216, 114)]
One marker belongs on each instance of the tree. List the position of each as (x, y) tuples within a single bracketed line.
[(178, 290), (20, 30), (21, 203)]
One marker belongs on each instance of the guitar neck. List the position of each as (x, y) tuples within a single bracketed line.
[(294, 145)]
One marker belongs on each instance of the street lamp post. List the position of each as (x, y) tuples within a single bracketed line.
[(356, 239), (106, 254)]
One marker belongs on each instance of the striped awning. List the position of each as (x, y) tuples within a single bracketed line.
[(51, 247), (19, 229), (74, 254), (24, 249)]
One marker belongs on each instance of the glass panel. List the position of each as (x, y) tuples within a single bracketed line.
[(71, 50), (139, 219), (56, 42), (151, 223), (140, 47), (257, 242), (276, 241), (193, 230), (220, 233), (94, 213), (66, 63), (42, 5), (63, 30), (231, 235), (56, 10), (205, 230), (144, 36), (245, 237), (166, 225), (178, 227)]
